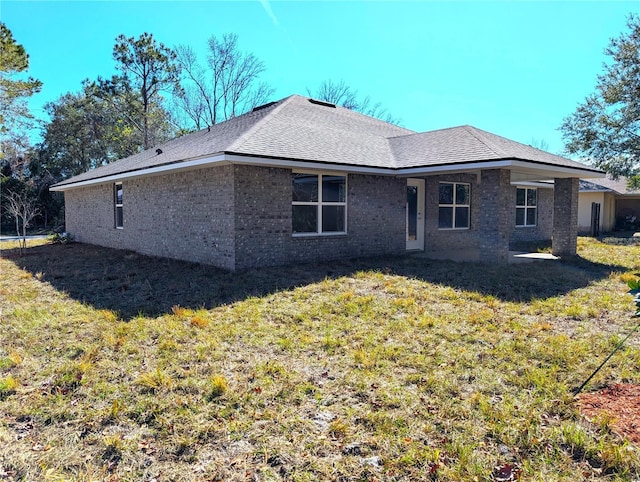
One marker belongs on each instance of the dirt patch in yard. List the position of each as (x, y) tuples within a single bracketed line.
[(617, 405)]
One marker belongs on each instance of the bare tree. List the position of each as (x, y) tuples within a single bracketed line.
[(227, 86), (341, 94), (338, 93), (539, 144), (24, 209)]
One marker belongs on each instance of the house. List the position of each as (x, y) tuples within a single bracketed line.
[(618, 206), (300, 180)]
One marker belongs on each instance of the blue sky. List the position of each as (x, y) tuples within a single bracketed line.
[(512, 68)]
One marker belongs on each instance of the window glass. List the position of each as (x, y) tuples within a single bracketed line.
[(319, 203), (305, 219), (119, 221), (454, 200), (526, 206), (333, 189), (462, 217), (445, 217), (412, 213), (305, 188), (462, 193), (446, 193), (333, 219), (118, 212)]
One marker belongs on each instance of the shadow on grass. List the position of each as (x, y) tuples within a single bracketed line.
[(132, 284)]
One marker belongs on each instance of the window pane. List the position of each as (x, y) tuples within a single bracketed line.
[(462, 217), (333, 189), (462, 194), (118, 193), (333, 219), (520, 196), (305, 188), (446, 193), (532, 195), (519, 216), (412, 213), (445, 217), (119, 222), (305, 219), (531, 216)]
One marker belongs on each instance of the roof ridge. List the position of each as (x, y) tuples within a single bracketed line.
[(479, 135), (275, 108)]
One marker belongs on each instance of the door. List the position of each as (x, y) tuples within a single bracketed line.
[(415, 214)]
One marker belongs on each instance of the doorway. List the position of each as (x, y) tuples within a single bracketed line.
[(415, 214)]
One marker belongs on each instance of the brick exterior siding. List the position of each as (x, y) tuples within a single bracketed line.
[(565, 217), (238, 216), (544, 225), (235, 217), (493, 208), (187, 215)]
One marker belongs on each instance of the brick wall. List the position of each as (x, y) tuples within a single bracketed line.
[(436, 239), (497, 215), (235, 217), (544, 228), (375, 220), (240, 216), (493, 215), (565, 217), (186, 215)]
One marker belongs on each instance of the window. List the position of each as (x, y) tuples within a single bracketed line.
[(454, 205), (117, 201), (526, 206), (319, 203)]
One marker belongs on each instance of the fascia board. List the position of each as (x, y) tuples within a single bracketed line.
[(223, 158), (181, 166), (543, 185)]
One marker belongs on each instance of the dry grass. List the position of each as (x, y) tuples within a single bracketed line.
[(116, 366)]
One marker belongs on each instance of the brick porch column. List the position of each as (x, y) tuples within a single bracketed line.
[(496, 215), (565, 217)]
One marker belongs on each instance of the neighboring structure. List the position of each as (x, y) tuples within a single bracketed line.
[(301, 180), (619, 207)]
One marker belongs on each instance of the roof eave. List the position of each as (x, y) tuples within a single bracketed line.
[(547, 169), (246, 159)]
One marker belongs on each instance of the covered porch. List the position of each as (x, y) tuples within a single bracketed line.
[(480, 214)]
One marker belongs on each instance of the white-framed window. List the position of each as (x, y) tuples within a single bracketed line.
[(319, 203), (526, 206), (117, 206), (454, 205)]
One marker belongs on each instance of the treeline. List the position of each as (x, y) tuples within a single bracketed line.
[(157, 93)]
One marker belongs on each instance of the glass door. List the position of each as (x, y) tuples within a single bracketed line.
[(415, 214)]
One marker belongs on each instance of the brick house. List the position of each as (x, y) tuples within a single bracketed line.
[(301, 180)]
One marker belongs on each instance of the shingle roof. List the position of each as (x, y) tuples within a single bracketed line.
[(301, 129), (608, 184), (466, 144)]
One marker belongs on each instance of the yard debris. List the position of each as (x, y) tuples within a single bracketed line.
[(323, 419), (375, 462), (506, 473), (352, 449)]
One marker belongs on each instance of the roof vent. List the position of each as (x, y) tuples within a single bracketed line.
[(158, 151), (322, 102), (264, 106)]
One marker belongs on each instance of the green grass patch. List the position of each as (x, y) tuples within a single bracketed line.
[(115, 366)]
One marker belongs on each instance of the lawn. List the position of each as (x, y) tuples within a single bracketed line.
[(119, 367)]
